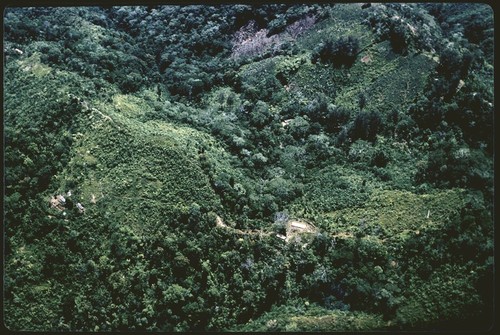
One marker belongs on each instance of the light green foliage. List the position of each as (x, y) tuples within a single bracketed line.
[(33, 66), (336, 321), (400, 212), (334, 188), (307, 317), (139, 171)]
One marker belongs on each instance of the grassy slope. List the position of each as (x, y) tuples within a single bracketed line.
[(128, 174), (390, 80), (140, 171), (398, 212), (312, 318), (31, 93)]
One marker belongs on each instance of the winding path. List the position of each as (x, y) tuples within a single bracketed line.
[(293, 228)]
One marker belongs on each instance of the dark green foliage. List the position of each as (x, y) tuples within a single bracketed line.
[(37, 137), (220, 174), (398, 36), (366, 126), (260, 115), (450, 99), (454, 248), (404, 128), (341, 52), (380, 159), (406, 26), (336, 118), (473, 19), (453, 89), (450, 165)]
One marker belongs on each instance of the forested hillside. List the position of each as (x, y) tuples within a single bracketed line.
[(282, 167)]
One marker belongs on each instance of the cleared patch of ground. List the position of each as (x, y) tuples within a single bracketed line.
[(294, 227)]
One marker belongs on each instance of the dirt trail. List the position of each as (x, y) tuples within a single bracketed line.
[(220, 223), (293, 228), (342, 235)]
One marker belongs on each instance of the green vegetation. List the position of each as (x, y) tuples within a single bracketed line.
[(249, 168)]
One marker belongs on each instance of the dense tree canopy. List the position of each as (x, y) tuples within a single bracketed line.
[(278, 167)]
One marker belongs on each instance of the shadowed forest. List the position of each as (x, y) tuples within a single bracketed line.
[(279, 167)]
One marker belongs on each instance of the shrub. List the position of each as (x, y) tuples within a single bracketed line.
[(366, 126), (450, 62), (398, 37), (299, 127), (451, 165), (380, 159), (341, 52), (336, 118)]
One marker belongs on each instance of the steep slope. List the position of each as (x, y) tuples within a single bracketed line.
[(257, 168), (140, 172), (119, 176)]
